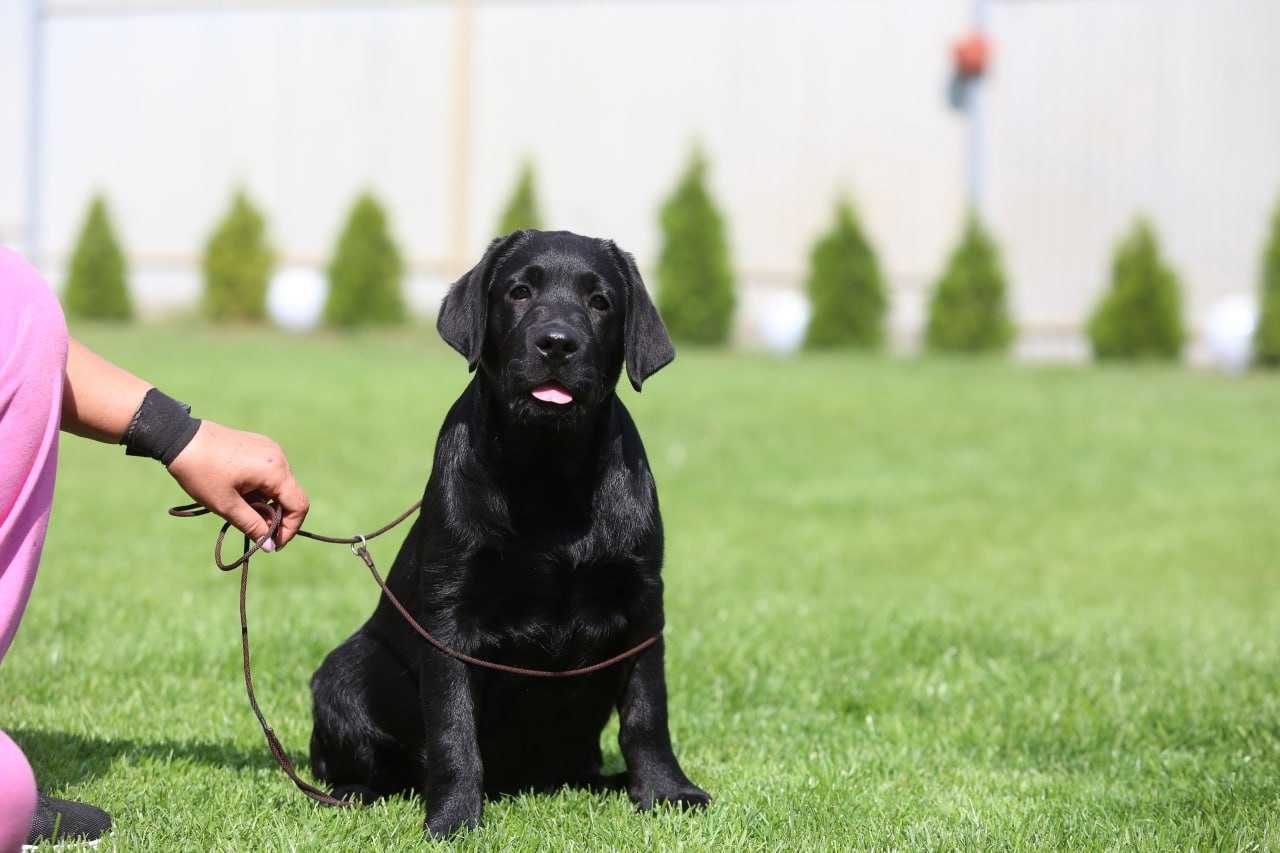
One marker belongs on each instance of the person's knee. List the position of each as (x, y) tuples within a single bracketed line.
[(48, 338), (17, 796), (33, 320)]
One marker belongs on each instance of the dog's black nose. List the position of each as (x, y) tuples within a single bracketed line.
[(557, 345)]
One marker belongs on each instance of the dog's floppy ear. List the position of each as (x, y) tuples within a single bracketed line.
[(645, 340), (463, 314)]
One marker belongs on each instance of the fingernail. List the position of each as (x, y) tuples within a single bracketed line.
[(268, 544)]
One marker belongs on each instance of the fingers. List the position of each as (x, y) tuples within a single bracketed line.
[(295, 503), (247, 520), (279, 484), (226, 469)]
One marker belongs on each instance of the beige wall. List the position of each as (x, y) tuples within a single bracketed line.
[(1097, 109), (1101, 109)]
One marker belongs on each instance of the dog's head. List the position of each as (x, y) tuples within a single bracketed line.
[(550, 318)]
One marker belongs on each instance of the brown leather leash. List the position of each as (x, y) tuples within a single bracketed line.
[(360, 548)]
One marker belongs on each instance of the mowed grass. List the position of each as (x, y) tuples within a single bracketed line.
[(911, 604)]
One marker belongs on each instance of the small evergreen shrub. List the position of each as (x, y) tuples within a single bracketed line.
[(97, 286), (968, 310), (522, 208), (237, 265), (1267, 338), (1140, 316), (695, 279), (365, 273), (846, 289)]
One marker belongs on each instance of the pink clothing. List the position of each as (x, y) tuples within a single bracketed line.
[(33, 358), (17, 796)]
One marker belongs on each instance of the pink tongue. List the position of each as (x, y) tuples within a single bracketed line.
[(552, 394)]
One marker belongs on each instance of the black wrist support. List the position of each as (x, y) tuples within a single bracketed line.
[(161, 428)]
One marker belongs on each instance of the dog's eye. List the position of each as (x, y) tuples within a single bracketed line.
[(598, 302), (520, 292)]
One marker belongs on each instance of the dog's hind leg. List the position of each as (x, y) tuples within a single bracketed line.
[(362, 743)]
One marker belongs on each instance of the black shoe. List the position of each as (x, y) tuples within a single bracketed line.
[(66, 822)]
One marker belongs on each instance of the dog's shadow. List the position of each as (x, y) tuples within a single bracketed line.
[(60, 758)]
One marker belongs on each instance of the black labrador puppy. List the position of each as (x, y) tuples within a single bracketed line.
[(539, 545)]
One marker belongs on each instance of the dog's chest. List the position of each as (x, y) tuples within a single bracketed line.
[(540, 591)]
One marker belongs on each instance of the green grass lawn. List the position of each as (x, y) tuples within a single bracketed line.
[(911, 604)]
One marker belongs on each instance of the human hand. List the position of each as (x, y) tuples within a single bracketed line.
[(222, 466)]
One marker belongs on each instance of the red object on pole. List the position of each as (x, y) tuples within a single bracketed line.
[(972, 55)]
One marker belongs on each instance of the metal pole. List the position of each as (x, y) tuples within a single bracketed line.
[(977, 137), (460, 168), (35, 128)]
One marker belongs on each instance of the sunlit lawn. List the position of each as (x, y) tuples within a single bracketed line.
[(911, 604)]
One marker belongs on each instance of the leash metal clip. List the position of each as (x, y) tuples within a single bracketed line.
[(357, 547)]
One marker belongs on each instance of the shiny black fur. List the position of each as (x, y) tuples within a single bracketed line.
[(539, 544)]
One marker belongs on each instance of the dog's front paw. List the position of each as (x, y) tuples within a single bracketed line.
[(676, 792), (452, 814), (362, 794)]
